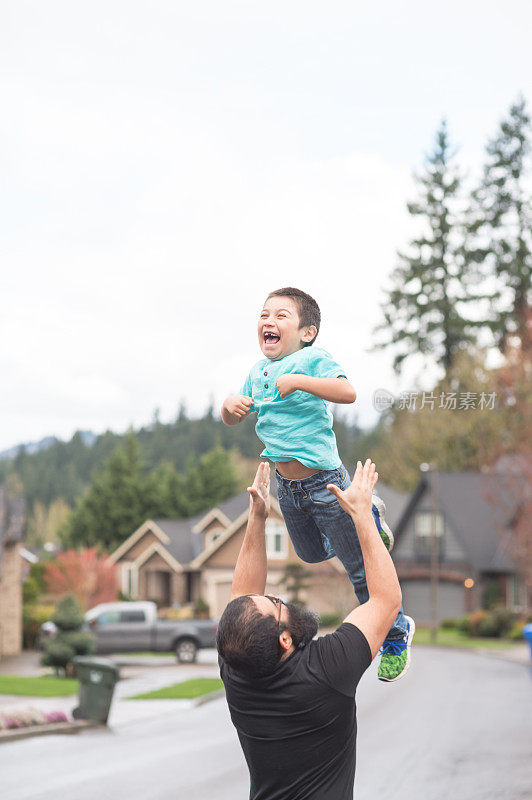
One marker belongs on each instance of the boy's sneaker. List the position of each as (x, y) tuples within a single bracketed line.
[(384, 530), (395, 658)]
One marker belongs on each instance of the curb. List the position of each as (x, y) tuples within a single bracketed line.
[(206, 698), (44, 730)]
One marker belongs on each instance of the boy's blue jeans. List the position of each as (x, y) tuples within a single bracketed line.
[(320, 529)]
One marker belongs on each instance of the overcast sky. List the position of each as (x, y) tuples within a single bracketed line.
[(165, 164)]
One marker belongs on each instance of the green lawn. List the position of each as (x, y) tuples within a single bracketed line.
[(44, 686), (186, 690), (453, 638)]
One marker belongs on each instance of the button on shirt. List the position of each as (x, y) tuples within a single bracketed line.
[(300, 425)]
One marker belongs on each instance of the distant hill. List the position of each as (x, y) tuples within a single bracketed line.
[(52, 469), (88, 438)]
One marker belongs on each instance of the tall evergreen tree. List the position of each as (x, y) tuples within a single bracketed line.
[(500, 227), (210, 479), (116, 503), (426, 309)]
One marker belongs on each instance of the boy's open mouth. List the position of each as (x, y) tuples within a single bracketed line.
[(271, 338)]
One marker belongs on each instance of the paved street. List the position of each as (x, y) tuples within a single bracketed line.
[(459, 726)]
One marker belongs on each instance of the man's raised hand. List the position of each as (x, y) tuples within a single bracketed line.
[(356, 499), (259, 492)]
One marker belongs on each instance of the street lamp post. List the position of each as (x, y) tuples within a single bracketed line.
[(434, 549)]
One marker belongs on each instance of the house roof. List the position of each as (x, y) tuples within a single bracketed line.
[(480, 509), (394, 501), (11, 519), (185, 545)]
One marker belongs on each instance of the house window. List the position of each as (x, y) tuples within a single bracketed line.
[(276, 541), (130, 580), (423, 534), (514, 594)]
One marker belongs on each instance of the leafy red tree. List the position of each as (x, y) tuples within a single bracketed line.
[(514, 459), (92, 579)]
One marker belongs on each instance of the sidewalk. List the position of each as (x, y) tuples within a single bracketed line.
[(134, 680)]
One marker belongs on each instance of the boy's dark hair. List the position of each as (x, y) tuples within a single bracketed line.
[(248, 640), (309, 310)]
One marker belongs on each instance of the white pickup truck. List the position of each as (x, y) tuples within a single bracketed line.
[(134, 627)]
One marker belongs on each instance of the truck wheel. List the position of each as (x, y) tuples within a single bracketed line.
[(186, 651)]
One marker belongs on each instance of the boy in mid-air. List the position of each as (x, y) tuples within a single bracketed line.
[(290, 390)]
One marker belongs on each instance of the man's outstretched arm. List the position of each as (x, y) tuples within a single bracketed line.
[(251, 565), (374, 617)]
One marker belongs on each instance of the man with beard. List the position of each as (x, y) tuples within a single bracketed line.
[(292, 697)]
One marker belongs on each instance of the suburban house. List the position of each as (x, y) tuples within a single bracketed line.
[(473, 526), (11, 531), (178, 561)]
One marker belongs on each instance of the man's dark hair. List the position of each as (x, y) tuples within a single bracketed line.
[(309, 310), (249, 641)]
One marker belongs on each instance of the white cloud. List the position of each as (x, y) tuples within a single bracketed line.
[(164, 168)]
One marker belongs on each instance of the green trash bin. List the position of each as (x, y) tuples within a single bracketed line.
[(97, 677)]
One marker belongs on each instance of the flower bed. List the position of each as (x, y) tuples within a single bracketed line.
[(28, 717)]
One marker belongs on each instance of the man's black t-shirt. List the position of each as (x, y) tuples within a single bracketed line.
[(297, 727)]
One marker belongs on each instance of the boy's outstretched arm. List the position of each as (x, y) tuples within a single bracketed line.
[(235, 408), (334, 390)]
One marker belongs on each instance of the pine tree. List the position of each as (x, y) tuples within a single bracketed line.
[(500, 227), (294, 579), (167, 488), (70, 640), (425, 310), (116, 503), (210, 479)]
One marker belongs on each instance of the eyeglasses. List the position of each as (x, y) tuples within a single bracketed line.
[(277, 602)]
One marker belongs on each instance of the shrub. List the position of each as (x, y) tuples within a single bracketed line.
[(516, 634), (183, 612), (463, 624), (498, 622), (503, 620), (201, 609), (450, 624), (58, 655), (33, 616), (83, 644), (68, 615), (330, 620), (488, 627), (69, 641), (475, 620)]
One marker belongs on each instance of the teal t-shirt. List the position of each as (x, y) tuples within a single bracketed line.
[(300, 425)]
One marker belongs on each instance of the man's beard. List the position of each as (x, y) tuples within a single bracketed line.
[(303, 624)]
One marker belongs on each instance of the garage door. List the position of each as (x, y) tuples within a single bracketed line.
[(223, 595), (416, 600)]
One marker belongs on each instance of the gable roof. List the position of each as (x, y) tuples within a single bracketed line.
[(184, 543), (148, 526), (156, 547), (232, 529), (480, 510)]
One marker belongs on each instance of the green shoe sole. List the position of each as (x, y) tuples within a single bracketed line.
[(411, 632)]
